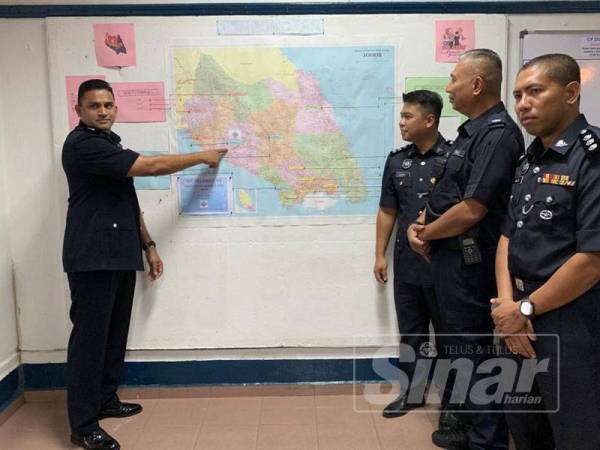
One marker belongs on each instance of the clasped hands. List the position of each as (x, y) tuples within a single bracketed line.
[(516, 329), (417, 242)]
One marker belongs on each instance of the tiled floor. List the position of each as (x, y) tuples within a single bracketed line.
[(309, 420)]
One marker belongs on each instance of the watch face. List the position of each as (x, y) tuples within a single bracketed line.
[(526, 308)]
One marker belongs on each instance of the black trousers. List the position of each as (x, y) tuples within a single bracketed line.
[(570, 388), (464, 294), (416, 307), (101, 303)]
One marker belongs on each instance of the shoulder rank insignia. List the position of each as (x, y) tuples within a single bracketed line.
[(589, 140), (559, 180), (497, 122), (561, 143), (401, 149)]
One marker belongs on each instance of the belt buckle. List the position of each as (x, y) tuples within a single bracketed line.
[(519, 284)]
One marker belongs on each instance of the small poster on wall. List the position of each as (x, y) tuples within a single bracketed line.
[(140, 101), (114, 44), (205, 193), (452, 38)]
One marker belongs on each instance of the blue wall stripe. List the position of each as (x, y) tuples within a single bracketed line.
[(228, 9), (10, 388), (44, 376), (189, 373)]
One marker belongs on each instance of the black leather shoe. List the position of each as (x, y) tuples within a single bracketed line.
[(449, 421), (122, 410), (96, 440), (452, 439), (399, 407)]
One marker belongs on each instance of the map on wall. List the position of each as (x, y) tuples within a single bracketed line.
[(307, 128)]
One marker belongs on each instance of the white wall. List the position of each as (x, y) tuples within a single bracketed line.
[(224, 288), (233, 292), (251, 287), (9, 355), (33, 218)]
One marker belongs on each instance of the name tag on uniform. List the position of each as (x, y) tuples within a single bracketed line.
[(556, 179), (403, 178)]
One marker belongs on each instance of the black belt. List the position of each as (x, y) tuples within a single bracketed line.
[(527, 286), (448, 243)]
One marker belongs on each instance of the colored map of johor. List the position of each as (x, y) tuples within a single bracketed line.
[(291, 151), (115, 43)]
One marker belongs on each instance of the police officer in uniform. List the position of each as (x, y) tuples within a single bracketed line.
[(548, 258), (407, 180), (104, 238), (462, 226)]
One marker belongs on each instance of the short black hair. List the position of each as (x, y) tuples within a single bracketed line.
[(488, 65), (560, 67), (93, 85), (430, 102)]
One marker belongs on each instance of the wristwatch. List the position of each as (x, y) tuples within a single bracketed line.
[(147, 245), (527, 308)]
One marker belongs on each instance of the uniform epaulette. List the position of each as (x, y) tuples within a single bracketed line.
[(497, 121), (589, 140), (401, 149)]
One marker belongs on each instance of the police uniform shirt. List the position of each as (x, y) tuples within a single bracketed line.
[(102, 229), (405, 186), (554, 211), (480, 166)]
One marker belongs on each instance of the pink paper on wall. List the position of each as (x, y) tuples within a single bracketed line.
[(140, 101), (452, 38), (115, 44), (73, 83)]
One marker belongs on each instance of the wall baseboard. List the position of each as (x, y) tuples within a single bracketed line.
[(11, 388), (225, 372)]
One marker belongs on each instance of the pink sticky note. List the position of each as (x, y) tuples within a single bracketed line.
[(73, 83), (140, 101), (452, 38), (115, 44)]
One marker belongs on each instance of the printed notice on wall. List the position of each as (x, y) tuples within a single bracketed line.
[(590, 47), (452, 38), (73, 83), (114, 44), (205, 193), (140, 101)]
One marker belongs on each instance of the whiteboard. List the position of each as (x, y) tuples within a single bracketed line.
[(584, 46)]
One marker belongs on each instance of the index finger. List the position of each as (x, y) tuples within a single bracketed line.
[(222, 150)]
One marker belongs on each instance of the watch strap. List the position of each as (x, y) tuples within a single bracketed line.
[(147, 245)]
